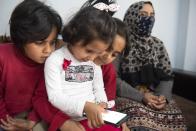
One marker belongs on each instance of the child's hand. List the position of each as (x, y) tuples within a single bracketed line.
[(71, 125), (93, 113), (12, 124), (124, 127), (103, 105)]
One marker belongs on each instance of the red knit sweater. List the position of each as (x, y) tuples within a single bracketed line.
[(18, 79), (109, 78), (21, 82)]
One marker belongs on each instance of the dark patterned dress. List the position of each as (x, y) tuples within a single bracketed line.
[(143, 118)]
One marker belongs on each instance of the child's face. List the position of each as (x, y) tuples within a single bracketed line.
[(38, 51), (89, 52), (109, 55)]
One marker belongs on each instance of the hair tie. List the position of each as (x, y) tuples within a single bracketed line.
[(111, 7)]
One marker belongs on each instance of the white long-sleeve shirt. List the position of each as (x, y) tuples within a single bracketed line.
[(69, 89)]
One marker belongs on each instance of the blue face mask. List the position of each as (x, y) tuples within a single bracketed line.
[(145, 25)]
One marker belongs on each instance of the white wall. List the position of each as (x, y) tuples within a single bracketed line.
[(6, 8), (66, 8), (190, 60), (180, 50), (174, 25)]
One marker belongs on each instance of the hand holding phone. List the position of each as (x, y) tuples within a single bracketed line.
[(114, 117)]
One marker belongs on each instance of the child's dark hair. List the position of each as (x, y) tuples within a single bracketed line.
[(89, 24), (93, 2), (122, 31), (32, 21), (121, 28)]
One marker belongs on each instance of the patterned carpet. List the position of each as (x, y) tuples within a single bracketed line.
[(189, 110)]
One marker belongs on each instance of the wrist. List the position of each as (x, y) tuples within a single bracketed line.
[(86, 107), (144, 100), (31, 124), (64, 125), (103, 105)]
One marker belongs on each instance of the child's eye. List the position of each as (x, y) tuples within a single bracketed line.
[(89, 51), (114, 54), (93, 52), (45, 42), (38, 42)]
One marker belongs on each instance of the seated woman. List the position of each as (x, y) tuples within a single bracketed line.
[(145, 76)]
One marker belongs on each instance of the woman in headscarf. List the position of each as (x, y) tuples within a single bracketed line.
[(145, 76)]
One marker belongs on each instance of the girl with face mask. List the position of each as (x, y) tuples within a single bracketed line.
[(145, 75)]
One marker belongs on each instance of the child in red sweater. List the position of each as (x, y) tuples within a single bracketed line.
[(33, 28), (108, 69), (105, 60)]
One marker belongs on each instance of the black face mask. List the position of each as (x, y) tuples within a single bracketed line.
[(145, 25)]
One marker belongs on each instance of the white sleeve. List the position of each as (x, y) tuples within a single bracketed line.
[(53, 70), (98, 85)]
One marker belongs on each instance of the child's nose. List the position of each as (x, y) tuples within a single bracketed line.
[(92, 57), (48, 48), (106, 56)]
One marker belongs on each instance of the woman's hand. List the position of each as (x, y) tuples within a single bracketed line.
[(158, 107), (162, 99), (161, 103), (149, 98), (153, 101), (93, 113), (13, 124), (71, 125)]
